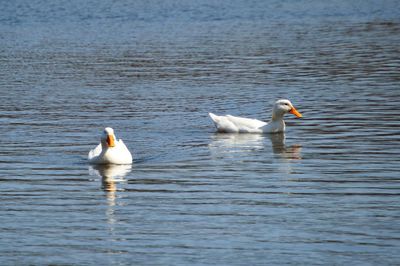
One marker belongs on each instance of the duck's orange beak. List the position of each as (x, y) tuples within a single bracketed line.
[(295, 112), (110, 141)]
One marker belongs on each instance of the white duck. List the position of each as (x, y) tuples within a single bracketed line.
[(110, 150), (233, 124)]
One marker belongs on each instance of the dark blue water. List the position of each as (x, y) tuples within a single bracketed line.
[(326, 192)]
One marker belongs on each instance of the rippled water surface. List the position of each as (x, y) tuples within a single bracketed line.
[(326, 192)]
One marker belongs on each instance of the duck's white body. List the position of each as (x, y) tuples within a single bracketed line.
[(234, 124), (110, 150)]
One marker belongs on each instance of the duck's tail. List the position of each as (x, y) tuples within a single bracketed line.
[(214, 117)]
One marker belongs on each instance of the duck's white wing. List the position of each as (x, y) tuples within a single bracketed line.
[(95, 152), (125, 156), (246, 124), (223, 124), (234, 124)]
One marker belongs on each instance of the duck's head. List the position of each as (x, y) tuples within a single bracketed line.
[(282, 107), (108, 137)]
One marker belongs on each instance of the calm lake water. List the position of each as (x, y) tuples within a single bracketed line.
[(326, 192)]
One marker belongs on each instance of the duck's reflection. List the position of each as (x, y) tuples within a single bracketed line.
[(279, 147), (240, 143), (110, 176), (237, 142)]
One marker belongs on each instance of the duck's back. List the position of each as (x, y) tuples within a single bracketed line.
[(234, 124)]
